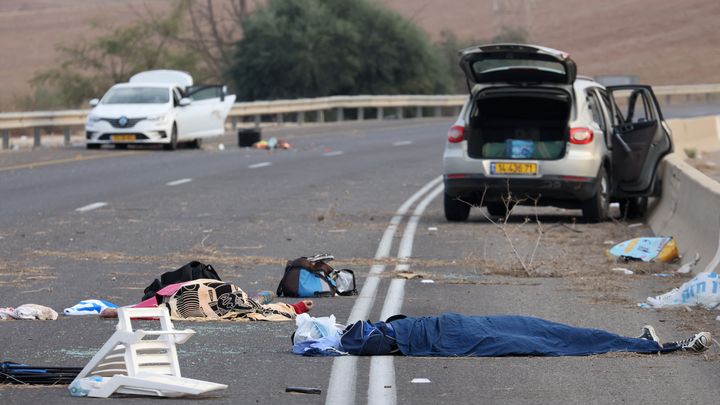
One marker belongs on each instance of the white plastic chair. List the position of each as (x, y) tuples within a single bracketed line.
[(140, 362)]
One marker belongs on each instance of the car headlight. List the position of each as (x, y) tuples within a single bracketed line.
[(94, 118), (158, 118)]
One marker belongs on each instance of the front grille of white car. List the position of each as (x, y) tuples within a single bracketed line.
[(129, 122)]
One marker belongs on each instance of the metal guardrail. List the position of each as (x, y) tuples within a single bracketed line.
[(299, 108)]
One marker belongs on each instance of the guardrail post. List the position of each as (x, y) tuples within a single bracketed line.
[(340, 114), (234, 123), (279, 119), (418, 112), (401, 112), (36, 137), (6, 139), (321, 116), (438, 111), (300, 117), (257, 120), (361, 114), (66, 136), (380, 113)]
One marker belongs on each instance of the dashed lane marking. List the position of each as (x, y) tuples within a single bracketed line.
[(402, 143), (259, 165), (91, 207), (178, 182), (335, 153)]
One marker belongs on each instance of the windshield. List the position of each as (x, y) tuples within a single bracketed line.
[(137, 95)]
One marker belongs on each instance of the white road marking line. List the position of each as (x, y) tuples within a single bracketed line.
[(91, 207), (402, 143), (335, 153), (178, 182), (341, 388), (258, 165), (382, 368)]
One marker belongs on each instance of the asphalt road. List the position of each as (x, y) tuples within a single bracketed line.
[(77, 224)]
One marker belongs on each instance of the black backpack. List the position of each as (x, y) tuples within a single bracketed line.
[(189, 272)]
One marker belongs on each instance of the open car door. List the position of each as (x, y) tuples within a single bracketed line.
[(209, 108), (639, 140)]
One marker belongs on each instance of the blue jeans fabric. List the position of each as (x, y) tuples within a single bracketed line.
[(507, 335)]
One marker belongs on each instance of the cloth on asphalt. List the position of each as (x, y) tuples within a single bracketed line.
[(89, 307), (28, 312), (208, 299), (507, 335)]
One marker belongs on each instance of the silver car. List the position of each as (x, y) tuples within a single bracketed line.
[(533, 132)]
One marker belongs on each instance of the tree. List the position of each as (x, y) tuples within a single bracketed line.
[(312, 48), (89, 68)]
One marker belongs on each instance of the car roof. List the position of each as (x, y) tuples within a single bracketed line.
[(164, 85)]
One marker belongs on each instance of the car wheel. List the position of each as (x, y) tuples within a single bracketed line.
[(173, 139), (634, 208), (93, 145), (456, 211), (596, 208), (121, 146), (197, 143), (497, 209)]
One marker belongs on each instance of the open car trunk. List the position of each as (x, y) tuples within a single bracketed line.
[(514, 123)]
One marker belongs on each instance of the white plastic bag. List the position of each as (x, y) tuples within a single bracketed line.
[(309, 328), (703, 289)]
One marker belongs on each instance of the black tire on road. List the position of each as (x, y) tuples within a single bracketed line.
[(595, 209), (197, 143), (496, 209), (93, 145), (173, 139), (634, 208), (456, 211)]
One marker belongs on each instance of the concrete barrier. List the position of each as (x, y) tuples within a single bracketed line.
[(689, 209), (700, 134)]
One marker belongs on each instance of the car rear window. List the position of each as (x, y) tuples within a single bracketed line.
[(137, 95), (486, 66)]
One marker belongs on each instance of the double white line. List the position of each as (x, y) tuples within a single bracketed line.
[(343, 377)]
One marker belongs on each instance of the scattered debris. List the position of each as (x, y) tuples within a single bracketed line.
[(660, 249), (28, 312), (635, 225), (703, 289), (662, 275), (16, 373), (432, 228), (89, 307), (609, 242), (420, 381), (427, 281), (689, 266), (304, 390), (272, 143), (623, 270), (221, 146)]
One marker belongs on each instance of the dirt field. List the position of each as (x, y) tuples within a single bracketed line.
[(661, 41)]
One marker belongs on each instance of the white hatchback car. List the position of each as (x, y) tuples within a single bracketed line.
[(533, 129), (158, 107)]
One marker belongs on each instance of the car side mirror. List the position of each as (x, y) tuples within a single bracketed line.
[(94, 102), (184, 102)]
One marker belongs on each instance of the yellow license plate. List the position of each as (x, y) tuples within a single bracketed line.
[(513, 168), (123, 138)]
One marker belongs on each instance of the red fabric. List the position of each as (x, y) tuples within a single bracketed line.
[(300, 307)]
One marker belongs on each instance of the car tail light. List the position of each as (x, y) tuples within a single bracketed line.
[(456, 134), (581, 136)]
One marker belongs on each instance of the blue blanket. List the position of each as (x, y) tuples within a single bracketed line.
[(507, 335)]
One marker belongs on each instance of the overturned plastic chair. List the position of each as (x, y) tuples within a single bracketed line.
[(140, 362)]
